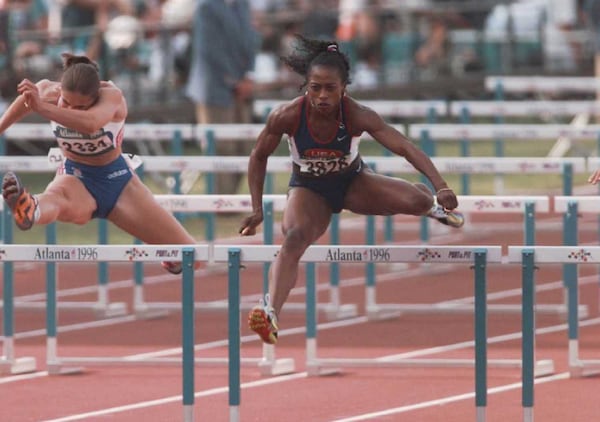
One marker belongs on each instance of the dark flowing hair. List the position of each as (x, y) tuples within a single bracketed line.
[(309, 52)]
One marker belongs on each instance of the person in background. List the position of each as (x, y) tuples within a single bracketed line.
[(96, 180), (324, 127), (224, 47)]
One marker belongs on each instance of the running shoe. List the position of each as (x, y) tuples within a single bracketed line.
[(262, 321), (22, 204), (449, 218), (172, 267)]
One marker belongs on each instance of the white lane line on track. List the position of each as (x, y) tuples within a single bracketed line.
[(23, 377), (292, 377), (449, 399), (172, 399)]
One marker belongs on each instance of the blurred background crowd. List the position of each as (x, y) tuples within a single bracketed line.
[(404, 49)]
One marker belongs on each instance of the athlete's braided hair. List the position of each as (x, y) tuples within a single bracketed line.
[(309, 52), (80, 75)]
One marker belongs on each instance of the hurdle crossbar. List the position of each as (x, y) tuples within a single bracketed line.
[(386, 108), (542, 84), (523, 108), (524, 132)]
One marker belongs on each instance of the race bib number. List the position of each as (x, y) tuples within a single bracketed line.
[(323, 167), (83, 147)]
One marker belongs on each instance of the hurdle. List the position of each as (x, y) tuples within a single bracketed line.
[(477, 256), (529, 206), (430, 109), (568, 255), (541, 84), (125, 253), (505, 108)]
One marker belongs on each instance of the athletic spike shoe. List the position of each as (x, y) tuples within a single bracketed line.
[(172, 267), (262, 321), (22, 204), (449, 218)]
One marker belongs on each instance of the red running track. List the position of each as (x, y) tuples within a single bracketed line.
[(152, 392)]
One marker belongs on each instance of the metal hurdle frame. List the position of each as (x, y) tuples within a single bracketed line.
[(128, 253), (387, 108), (572, 207), (529, 206), (539, 84), (501, 108), (477, 256), (530, 258)]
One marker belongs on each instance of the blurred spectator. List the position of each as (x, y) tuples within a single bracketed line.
[(538, 26), (320, 20), (224, 47), (85, 14), (360, 35), (591, 18)]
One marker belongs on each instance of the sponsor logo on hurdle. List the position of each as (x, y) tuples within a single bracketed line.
[(173, 204), (136, 253), (580, 255), (167, 253), (61, 254), (460, 254), (428, 255), (221, 204), (368, 255), (483, 204)]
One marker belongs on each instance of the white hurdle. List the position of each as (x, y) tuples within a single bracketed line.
[(484, 131), (542, 84), (56, 364), (499, 108), (529, 207), (386, 108), (477, 256), (567, 255)]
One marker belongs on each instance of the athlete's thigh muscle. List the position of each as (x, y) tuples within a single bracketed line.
[(72, 200), (375, 194), (306, 211), (139, 214)]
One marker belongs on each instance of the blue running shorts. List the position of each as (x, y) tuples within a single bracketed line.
[(104, 183), (332, 187)]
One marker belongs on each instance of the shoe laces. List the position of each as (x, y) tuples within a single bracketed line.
[(265, 302)]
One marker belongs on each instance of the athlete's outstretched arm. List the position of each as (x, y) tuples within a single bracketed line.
[(15, 112), (267, 142), (84, 121), (399, 144)]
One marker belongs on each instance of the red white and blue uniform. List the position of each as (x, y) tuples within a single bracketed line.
[(325, 166), (105, 183)]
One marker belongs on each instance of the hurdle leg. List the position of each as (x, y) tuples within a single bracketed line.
[(9, 364), (335, 310), (102, 307), (312, 364)]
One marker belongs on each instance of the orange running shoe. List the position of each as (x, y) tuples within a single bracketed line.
[(262, 321), (22, 204), (172, 267)]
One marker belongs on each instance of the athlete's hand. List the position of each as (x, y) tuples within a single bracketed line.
[(446, 198), (250, 224), (30, 93), (594, 178)]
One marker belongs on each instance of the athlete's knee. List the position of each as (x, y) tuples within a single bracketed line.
[(423, 200), (296, 241)]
